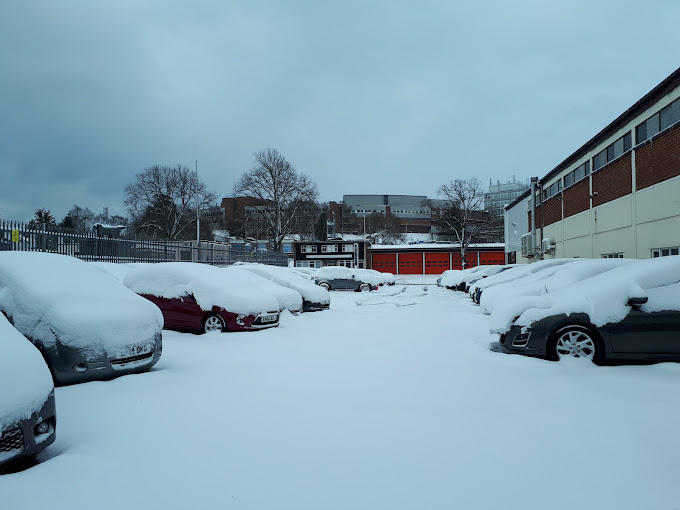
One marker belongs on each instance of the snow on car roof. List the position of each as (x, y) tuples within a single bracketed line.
[(211, 286), (520, 271), (346, 272), (113, 269), (603, 297), (290, 278), (454, 277), (25, 380), (288, 298), (548, 279), (52, 297)]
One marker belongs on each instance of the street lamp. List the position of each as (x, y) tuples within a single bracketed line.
[(198, 216)]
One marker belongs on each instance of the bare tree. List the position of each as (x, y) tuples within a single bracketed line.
[(283, 194), (162, 201), (464, 217)]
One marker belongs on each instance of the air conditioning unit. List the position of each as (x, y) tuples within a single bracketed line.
[(528, 246), (547, 246)]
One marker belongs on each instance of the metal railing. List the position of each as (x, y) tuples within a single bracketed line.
[(17, 236)]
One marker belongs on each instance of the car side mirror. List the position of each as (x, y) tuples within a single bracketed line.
[(637, 301)]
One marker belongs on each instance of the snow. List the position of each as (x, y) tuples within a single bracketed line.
[(210, 286), (368, 405), (288, 299), (114, 270), (518, 272), (453, 277), (290, 278), (547, 279), (54, 296), (602, 297), (25, 380)]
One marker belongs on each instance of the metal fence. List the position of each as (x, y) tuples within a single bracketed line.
[(17, 236)]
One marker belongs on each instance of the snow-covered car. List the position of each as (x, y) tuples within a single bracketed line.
[(308, 273), (288, 298), (630, 312), (384, 278), (520, 272), (548, 279), (455, 279), (86, 325), (446, 275), (28, 419), (344, 278), (117, 271), (200, 298), (314, 298)]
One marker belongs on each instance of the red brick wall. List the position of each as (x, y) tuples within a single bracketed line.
[(658, 161), (613, 181), (552, 211), (577, 198)]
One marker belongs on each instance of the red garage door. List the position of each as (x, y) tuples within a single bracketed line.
[(436, 263), (492, 257), (470, 260), (411, 263), (385, 262)]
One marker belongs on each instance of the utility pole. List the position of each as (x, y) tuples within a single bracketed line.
[(198, 216)]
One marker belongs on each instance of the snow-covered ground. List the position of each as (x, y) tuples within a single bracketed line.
[(391, 399)]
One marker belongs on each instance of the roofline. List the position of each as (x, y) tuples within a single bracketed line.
[(518, 199), (661, 90)]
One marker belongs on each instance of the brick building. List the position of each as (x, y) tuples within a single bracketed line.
[(616, 196)]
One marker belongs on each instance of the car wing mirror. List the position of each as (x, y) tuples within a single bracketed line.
[(637, 301)]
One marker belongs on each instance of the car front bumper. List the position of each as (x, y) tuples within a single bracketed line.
[(527, 342), (23, 439), (72, 366)]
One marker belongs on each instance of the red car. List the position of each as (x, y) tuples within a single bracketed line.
[(201, 298)]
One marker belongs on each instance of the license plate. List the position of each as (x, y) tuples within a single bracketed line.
[(139, 349), (269, 318)]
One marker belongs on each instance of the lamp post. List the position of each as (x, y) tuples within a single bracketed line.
[(198, 216)]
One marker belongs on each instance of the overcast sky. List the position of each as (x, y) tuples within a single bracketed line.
[(386, 97)]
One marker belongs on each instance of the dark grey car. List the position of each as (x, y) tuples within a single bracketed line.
[(87, 325), (27, 413), (344, 278), (650, 336)]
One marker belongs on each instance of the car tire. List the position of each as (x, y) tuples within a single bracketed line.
[(213, 322), (576, 341), (325, 285), (364, 287)]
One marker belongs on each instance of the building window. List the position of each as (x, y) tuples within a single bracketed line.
[(553, 190), (308, 248), (577, 174), (613, 151), (346, 263), (668, 116), (347, 248), (618, 255), (329, 248), (664, 252)]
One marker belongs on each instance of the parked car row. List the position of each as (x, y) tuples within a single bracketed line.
[(600, 310), (65, 321)]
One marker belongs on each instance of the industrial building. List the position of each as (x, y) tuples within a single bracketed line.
[(616, 196)]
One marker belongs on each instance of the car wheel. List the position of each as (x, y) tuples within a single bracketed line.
[(325, 285), (364, 287), (576, 341), (213, 322)]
